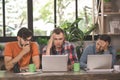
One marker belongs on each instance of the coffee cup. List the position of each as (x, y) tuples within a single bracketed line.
[(116, 67), (76, 67), (32, 68)]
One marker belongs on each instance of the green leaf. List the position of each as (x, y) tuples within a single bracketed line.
[(76, 21), (93, 27)]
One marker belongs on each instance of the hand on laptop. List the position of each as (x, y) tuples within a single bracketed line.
[(86, 69), (70, 67)]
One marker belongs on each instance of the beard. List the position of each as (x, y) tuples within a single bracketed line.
[(22, 44), (58, 47)]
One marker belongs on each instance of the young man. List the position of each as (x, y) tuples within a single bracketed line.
[(102, 46), (58, 46), (21, 52)]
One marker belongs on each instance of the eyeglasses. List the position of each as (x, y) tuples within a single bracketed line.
[(27, 39)]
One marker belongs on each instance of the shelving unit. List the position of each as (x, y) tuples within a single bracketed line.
[(107, 20)]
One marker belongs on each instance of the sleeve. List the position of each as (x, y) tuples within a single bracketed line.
[(8, 50), (113, 51), (74, 54), (83, 58), (35, 49)]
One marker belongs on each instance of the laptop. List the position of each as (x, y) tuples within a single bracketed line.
[(54, 62), (99, 63)]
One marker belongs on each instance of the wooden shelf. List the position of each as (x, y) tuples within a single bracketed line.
[(112, 34), (111, 13), (107, 20)]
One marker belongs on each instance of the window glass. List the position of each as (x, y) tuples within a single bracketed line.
[(85, 12), (1, 19), (43, 17), (65, 11), (15, 16)]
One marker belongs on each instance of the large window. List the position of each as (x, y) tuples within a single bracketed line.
[(15, 16), (42, 16)]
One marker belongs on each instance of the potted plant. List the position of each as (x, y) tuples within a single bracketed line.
[(74, 33), (42, 41)]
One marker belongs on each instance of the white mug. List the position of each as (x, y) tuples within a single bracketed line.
[(116, 67)]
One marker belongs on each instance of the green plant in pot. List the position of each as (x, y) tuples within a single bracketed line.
[(42, 41), (73, 33)]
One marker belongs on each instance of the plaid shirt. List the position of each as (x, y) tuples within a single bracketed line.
[(67, 48)]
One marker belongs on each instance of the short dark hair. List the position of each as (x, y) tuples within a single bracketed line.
[(105, 38), (58, 30), (24, 33)]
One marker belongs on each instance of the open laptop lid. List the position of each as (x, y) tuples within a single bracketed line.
[(99, 61), (54, 62)]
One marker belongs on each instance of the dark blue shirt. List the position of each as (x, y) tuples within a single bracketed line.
[(91, 50)]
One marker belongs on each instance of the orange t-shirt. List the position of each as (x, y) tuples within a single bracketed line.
[(12, 49)]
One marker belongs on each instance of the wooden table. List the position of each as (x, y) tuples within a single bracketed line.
[(60, 76)]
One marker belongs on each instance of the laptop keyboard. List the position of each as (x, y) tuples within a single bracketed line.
[(100, 70)]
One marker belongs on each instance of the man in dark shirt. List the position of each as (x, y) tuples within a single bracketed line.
[(101, 47)]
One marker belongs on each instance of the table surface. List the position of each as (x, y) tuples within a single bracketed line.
[(82, 75)]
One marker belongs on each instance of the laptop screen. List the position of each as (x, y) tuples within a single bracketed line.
[(99, 61), (54, 62)]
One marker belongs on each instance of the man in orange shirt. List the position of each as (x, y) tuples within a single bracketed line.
[(21, 52)]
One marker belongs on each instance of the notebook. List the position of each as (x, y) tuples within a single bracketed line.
[(54, 62), (99, 63)]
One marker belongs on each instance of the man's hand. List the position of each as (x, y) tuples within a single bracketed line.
[(104, 45), (70, 67), (50, 43), (26, 48)]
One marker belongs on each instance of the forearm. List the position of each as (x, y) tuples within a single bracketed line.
[(83, 65), (10, 64), (83, 60), (37, 66), (113, 56), (50, 42), (36, 61), (48, 51), (48, 47)]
